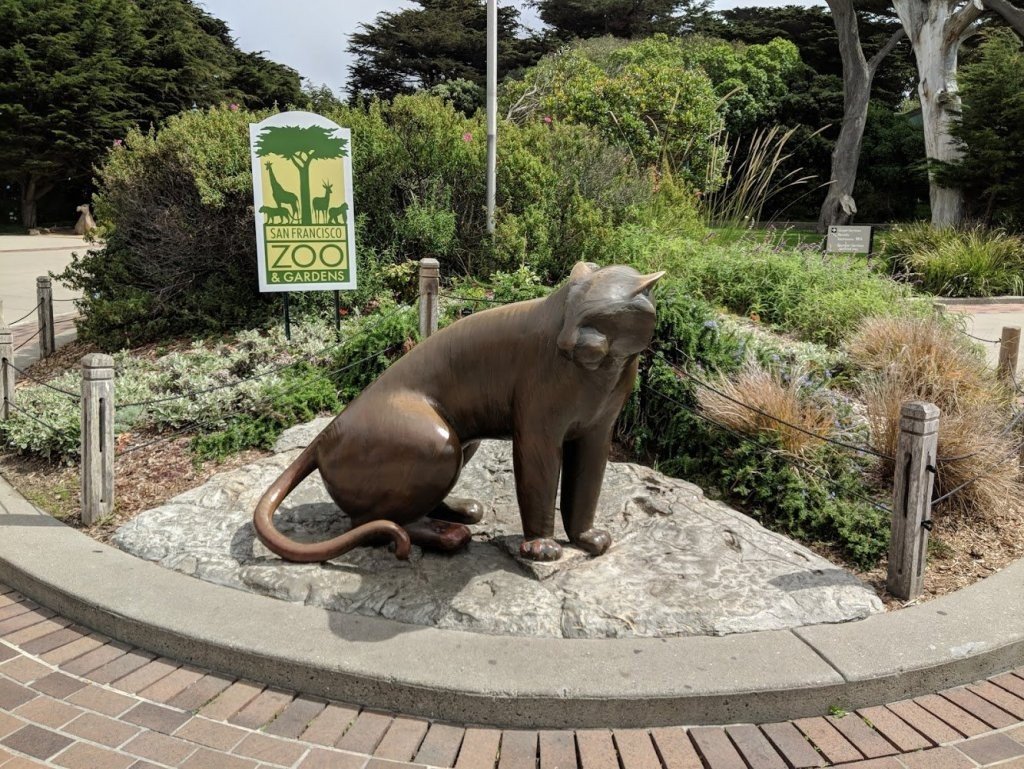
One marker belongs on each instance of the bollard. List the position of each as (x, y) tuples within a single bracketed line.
[(97, 465), (430, 282), (44, 298), (912, 498), (1009, 346), (7, 373)]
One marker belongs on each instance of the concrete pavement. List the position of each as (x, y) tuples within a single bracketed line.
[(985, 319), (23, 258)]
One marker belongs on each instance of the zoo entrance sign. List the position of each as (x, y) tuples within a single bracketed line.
[(302, 190)]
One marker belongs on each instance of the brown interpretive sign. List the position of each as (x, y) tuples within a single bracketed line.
[(848, 240)]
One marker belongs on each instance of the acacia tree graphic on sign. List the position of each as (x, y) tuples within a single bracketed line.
[(301, 146)]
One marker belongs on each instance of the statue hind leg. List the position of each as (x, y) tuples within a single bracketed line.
[(461, 509), (404, 476)]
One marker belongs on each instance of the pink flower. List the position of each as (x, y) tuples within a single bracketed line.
[(233, 107), (547, 119), (118, 142), (467, 137)]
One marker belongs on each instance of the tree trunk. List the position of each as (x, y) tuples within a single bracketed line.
[(1011, 14), (858, 73), (839, 206), (29, 199), (929, 25)]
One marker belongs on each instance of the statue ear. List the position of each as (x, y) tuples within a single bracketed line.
[(581, 270), (646, 282)]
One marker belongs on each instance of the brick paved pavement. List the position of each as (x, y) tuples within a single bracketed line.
[(76, 699)]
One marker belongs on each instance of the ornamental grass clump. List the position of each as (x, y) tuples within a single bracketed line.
[(975, 261), (787, 396), (908, 359)]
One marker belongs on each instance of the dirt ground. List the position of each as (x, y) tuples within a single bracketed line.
[(961, 550)]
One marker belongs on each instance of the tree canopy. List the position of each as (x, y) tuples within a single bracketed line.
[(641, 96), (76, 75), (439, 42), (620, 18), (991, 130)]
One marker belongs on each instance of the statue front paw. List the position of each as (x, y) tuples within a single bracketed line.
[(540, 550), (593, 541)]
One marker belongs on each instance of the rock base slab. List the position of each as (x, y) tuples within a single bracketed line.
[(680, 565)]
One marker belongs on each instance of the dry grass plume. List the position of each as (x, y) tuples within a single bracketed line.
[(774, 394)]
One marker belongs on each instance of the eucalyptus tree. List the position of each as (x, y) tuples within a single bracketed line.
[(937, 29), (858, 74)]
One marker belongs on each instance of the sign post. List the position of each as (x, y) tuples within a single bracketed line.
[(302, 194)]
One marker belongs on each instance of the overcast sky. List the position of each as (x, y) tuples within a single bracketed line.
[(311, 35)]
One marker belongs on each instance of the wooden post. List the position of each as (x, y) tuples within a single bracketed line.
[(912, 498), (7, 374), (430, 283), (97, 466), (1009, 346), (44, 297)]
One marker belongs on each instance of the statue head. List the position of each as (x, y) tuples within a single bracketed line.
[(609, 314)]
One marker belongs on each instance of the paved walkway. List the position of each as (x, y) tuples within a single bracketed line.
[(23, 258), (77, 699), (985, 320)]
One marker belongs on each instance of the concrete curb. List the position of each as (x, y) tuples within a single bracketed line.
[(977, 300), (513, 682)]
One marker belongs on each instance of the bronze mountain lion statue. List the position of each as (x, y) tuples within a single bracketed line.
[(552, 374)]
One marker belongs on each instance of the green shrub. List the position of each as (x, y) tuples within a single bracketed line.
[(177, 211), (299, 395), (240, 390), (179, 238), (641, 97), (974, 261), (819, 297)]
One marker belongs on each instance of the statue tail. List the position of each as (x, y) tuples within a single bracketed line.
[(289, 549)]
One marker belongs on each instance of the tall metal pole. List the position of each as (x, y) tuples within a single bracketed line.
[(492, 109)]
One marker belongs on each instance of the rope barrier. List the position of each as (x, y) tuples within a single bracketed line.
[(29, 339), (980, 339), (30, 415), (775, 452), (211, 420), (825, 439), (34, 309), (1009, 455), (75, 396), (274, 370), (477, 299)]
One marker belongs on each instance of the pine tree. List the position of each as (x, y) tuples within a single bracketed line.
[(620, 18), (439, 42), (75, 75)]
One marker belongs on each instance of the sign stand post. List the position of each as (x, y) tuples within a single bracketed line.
[(287, 316)]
